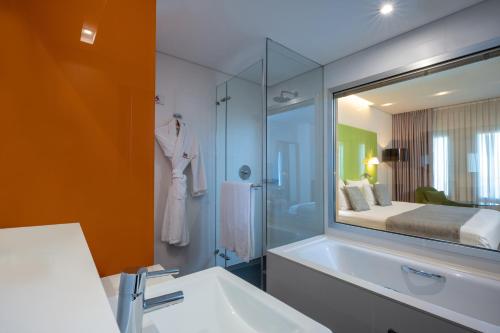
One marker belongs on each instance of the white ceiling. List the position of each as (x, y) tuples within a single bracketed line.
[(473, 82), (228, 35)]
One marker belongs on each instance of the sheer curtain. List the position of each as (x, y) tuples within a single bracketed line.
[(489, 166), (466, 145)]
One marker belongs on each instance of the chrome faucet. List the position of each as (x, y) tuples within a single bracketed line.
[(131, 302)]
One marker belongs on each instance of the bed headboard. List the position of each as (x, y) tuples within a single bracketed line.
[(355, 147)]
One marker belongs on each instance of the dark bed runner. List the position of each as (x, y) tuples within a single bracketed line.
[(432, 221)]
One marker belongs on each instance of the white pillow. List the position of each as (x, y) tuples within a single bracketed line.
[(367, 191), (358, 183), (344, 203)]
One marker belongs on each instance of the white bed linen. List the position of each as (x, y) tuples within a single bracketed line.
[(483, 229), (377, 215)]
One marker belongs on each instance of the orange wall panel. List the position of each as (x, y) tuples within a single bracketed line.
[(77, 122)]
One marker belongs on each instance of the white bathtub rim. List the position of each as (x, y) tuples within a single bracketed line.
[(439, 311), (427, 260)]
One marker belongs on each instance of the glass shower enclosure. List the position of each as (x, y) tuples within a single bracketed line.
[(270, 133)]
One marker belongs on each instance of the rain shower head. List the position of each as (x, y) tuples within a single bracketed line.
[(283, 99)]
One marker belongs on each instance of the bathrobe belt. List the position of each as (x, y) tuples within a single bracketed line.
[(178, 174)]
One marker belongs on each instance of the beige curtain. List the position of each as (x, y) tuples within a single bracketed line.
[(413, 131), (467, 135)]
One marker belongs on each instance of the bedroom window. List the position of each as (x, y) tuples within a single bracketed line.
[(489, 166), (413, 161), (440, 166)]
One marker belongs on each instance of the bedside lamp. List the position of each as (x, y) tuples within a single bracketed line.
[(373, 161)]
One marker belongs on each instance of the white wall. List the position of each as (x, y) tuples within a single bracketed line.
[(191, 91), (371, 119), (456, 32)]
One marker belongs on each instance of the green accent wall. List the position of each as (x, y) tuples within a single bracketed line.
[(355, 147)]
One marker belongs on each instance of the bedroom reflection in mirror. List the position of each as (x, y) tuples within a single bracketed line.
[(421, 156)]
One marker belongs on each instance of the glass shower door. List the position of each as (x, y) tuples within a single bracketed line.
[(239, 156)]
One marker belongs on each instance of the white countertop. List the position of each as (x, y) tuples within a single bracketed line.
[(49, 283)]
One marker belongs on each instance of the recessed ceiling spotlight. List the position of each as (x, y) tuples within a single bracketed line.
[(442, 93), (358, 101), (387, 104), (88, 34), (386, 9)]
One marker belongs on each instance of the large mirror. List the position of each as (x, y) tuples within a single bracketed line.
[(420, 154)]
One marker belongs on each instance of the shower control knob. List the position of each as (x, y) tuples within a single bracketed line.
[(244, 172)]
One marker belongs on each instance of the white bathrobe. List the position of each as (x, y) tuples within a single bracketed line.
[(181, 150)]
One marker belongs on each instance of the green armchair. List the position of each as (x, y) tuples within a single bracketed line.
[(430, 195)]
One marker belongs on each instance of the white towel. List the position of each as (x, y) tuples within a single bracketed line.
[(237, 219)]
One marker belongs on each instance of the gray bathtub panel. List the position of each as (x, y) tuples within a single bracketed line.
[(389, 314), (337, 305)]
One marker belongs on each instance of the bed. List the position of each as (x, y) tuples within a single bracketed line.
[(482, 229)]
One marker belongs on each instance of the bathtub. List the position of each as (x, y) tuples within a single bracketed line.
[(356, 287)]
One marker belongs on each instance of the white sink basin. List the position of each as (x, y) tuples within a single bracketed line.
[(216, 301)]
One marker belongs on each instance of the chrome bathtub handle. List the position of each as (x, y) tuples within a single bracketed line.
[(408, 269)]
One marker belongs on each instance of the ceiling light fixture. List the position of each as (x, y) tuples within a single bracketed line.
[(87, 32), (386, 9), (387, 104), (87, 35), (357, 101), (442, 93)]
